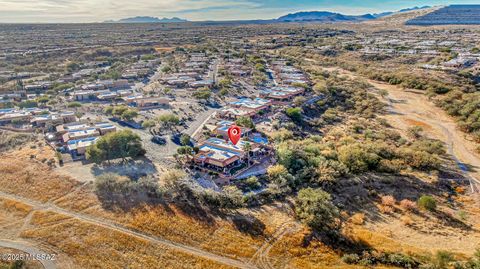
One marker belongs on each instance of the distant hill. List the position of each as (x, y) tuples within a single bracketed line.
[(146, 19), (325, 16), (322, 16), (454, 14), (383, 14)]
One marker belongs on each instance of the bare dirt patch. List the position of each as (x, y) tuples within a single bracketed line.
[(417, 123)]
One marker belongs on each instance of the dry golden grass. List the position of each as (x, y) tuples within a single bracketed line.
[(170, 223), (219, 237), (29, 177), (358, 219), (89, 245), (92, 246), (228, 241), (47, 218), (407, 220), (291, 252), (84, 199), (15, 207), (382, 241)]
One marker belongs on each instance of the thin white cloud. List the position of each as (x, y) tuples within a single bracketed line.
[(98, 10)]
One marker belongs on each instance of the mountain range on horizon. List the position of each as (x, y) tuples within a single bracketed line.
[(383, 14), (303, 16), (325, 16), (147, 19)]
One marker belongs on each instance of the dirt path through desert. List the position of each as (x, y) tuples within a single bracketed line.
[(410, 107)]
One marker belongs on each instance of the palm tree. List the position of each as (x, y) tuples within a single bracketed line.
[(247, 147)]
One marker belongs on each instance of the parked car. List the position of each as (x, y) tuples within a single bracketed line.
[(176, 138), (213, 104), (158, 140)]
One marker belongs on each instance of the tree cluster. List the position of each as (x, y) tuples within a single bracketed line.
[(121, 144)]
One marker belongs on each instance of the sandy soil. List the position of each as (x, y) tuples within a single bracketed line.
[(413, 108), (409, 108)]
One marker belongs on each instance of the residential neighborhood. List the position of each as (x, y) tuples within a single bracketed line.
[(243, 134)]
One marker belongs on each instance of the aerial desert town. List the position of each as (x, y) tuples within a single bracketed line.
[(315, 140)]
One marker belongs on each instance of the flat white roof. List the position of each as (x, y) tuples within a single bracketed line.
[(251, 103), (81, 143)]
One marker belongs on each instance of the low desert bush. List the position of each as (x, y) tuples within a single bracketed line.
[(408, 205), (253, 183), (406, 220), (441, 259), (460, 190), (386, 209), (350, 258), (388, 200), (358, 218), (373, 258), (11, 140), (391, 166), (427, 202), (462, 215)]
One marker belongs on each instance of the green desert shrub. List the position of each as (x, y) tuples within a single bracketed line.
[(350, 258), (427, 202)]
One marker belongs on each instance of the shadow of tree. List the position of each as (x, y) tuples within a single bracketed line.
[(192, 207), (248, 224), (132, 168), (128, 200), (451, 221), (338, 241), (362, 194)]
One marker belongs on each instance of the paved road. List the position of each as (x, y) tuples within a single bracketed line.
[(250, 88), (37, 205), (47, 264), (200, 120), (213, 74)]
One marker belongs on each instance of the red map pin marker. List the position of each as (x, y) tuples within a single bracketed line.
[(234, 133)]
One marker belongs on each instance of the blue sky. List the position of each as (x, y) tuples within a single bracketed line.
[(100, 10)]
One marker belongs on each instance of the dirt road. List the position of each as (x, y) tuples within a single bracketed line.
[(37, 205), (410, 107), (261, 257)]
